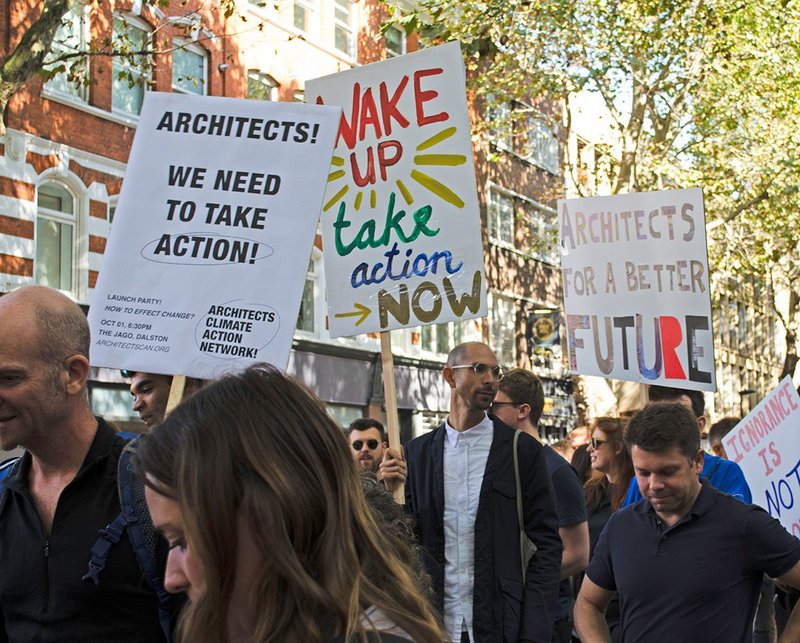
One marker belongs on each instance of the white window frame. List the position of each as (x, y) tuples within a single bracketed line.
[(308, 7), (59, 217), (501, 130), (495, 214), (313, 280), (61, 46), (181, 44), (142, 71), (347, 26), (545, 227), (542, 144), (500, 327), (269, 84), (390, 53)]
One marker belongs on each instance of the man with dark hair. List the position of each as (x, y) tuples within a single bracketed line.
[(63, 490), (687, 561), (718, 431), (462, 490), (373, 455), (519, 403), (150, 393), (725, 475)]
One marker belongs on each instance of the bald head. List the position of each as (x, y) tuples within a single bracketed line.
[(59, 325)]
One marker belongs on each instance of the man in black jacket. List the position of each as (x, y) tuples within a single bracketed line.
[(63, 490), (461, 488)]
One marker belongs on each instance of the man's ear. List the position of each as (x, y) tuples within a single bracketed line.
[(449, 376), (76, 368), (699, 459), (523, 411)]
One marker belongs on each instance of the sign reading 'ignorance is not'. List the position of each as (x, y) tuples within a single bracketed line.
[(636, 289), (206, 262)]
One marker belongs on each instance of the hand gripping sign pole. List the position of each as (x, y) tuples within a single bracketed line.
[(390, 395)]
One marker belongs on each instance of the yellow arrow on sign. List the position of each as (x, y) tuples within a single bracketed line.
[(361, 311)]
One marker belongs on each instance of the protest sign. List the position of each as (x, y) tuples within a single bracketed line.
[(765, 444), (634, 273), (209, 248), (400, 221)]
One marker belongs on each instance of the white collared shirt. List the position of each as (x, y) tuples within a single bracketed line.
[(465, 456)]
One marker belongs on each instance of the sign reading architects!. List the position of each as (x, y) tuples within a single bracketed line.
[(765, 445), (208, 253), (634, 272), (400, 220)]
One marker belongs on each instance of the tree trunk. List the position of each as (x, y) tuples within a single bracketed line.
[(791, 359), (28, 56)]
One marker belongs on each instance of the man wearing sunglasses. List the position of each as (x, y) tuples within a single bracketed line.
[(520, 403), (372, 453), (462, 490)]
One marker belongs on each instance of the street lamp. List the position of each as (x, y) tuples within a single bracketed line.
[(742, 393)]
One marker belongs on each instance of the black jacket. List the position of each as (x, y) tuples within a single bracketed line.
[(503, 610)]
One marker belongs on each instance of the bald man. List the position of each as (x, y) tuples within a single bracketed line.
[(63, 490)]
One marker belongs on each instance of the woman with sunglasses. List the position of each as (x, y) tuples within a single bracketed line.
[(606, 489), (254, 487)]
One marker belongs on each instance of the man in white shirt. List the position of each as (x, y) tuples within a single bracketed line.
[(461, 488)]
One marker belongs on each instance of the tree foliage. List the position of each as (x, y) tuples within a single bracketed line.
[(700, 93)]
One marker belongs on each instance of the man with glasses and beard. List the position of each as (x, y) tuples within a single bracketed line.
[(462, 490), (373, 455)]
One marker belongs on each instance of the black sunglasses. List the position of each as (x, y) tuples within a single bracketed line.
[(596, 444), (371, 444)]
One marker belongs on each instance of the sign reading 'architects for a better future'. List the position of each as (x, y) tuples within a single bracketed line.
[(634, 271), (400, 222), (209, 248)]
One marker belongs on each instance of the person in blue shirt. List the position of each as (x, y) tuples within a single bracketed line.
[(723, 475)]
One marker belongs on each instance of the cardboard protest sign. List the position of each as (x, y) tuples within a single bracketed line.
[(400, 221), (634, 273), (766, 445), (209, 248)]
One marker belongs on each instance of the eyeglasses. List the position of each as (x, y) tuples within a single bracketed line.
[(481, 369), (371, 444), (596, 444)]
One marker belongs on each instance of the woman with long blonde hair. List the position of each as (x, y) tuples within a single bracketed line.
[(255, 489)]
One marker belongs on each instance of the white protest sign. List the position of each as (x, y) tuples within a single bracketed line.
[(400, 221), (634, 272), (766, 444), (209, 248)]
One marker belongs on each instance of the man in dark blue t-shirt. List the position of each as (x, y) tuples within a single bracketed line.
[(687, 561), (519, 403)]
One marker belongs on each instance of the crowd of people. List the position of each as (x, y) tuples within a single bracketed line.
[(247, 514)]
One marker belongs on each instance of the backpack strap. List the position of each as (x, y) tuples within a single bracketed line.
[(135, 520)]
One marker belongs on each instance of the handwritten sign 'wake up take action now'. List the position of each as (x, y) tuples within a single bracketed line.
[(400, 221)]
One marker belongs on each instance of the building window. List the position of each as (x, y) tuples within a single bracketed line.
[(71, 38), (542, 145), (301, 14), (55, 237), (307, 317), (544, 233), (189, 69), (442, 338), (501, 217), (130, 73), (500, 126), (343, 27), (395, 42), (502, 330), (261, 86)]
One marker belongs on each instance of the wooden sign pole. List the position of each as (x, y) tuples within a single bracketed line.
[(390, 395), (175, 392)]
